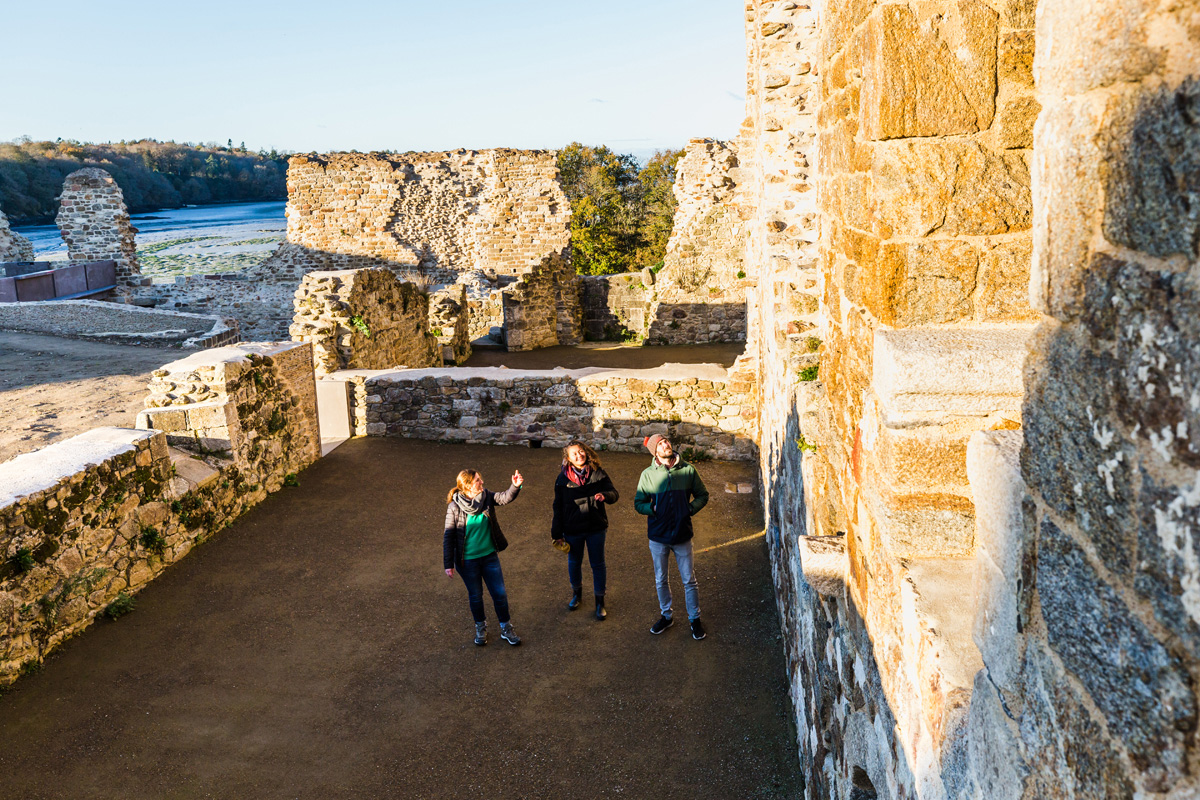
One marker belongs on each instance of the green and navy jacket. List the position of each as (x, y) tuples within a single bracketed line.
[(669, 496)]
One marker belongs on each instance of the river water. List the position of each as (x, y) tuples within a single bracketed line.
[(230, 222)]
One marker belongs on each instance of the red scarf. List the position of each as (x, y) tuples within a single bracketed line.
[(575, 476)]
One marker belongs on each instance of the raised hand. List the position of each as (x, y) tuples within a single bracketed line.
[(517, 479)]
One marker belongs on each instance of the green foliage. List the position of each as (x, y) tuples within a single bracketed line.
[(359, 324), (121, 605), (151, 174), (812, 344), (504, 406), (152, 540), (22, 560), (621, 213), (741, 274), (694, 456), (291, 480), (810, 373), (804, 446)]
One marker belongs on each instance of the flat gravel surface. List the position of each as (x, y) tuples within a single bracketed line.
[(316, 649), (53, 388)]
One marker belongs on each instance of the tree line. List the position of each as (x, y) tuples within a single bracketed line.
[(151, 174), (621, 211)]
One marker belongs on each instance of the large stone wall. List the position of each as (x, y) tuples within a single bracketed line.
[(94, 223), (699, 406), (13, 246), (440, 214), (363, 319), (86, 523), (615, 307), (700, 293), (543, 308)]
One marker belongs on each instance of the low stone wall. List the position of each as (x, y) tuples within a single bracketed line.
[(449, 322), (615, 307), (13, 246), (117, 323), (363, 319), (700, 293), (263, 308), (86, 523), (542, 309), (699, 406)]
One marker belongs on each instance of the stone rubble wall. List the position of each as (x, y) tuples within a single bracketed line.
[(439, 214), (615, 307), (13, 246), (700, 293), (1105, 651), (703, 407), (543, 309), (93, 519), (450, 323), (363, 319), (94, 222), (262, 309), (118, 323)]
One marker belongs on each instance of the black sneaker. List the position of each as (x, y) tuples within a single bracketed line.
[(662, 624), (480, 633), (698, 630), (509, 635)]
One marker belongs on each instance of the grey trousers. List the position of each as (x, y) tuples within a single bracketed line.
[(660, 555)]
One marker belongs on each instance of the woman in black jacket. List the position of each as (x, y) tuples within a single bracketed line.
[(580, 494), (470, 545)]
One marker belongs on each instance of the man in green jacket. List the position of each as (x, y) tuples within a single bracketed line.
[(669, 493)]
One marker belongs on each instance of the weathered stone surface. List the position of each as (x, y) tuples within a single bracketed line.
[(94, 222), (920, 283), (1095, 44), (1152, 189), (13, 246), (951, 187), (1004, 282), (993, 744), (926, 74), (1143, 690), (1168, 570), (1014, 122)]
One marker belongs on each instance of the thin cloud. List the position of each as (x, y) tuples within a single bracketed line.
[(737, 97)]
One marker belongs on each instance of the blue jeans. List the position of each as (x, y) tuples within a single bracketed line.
[(477, 571), (594, 541), (660, 555)]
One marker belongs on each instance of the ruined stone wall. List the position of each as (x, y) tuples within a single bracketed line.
[(615, 307), (86, 523), (439, 214), (703, 407), (543, 309), (263, 309), (94, 223), (700, 293), (1106, 648), (450, 323), (13, 246), (363, 319)]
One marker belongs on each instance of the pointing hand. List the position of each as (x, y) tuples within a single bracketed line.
[(517, 479)]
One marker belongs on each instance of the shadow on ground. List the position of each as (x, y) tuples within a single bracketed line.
[(316, 649), (609, 355)]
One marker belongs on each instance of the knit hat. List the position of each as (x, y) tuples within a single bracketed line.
[(651, 443)]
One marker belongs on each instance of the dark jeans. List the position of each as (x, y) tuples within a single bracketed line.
[(594, 542), (477, 571)]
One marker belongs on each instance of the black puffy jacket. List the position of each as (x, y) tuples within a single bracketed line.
[(576, 510)]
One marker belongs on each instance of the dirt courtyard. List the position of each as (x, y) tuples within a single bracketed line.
[(53, 388), (316, 649)]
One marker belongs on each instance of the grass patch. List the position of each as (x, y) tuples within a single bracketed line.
[(121, 605)]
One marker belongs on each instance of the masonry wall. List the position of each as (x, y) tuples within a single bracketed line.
[(706, 408), (94, 222), (439, 214), (450, 323), (86, 523), (13, 246), (363, 319), (543, 309), (615, 307), (700, 293)]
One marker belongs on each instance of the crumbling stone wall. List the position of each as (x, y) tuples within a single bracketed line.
[(615, 307), (449, 322), (13, 246), (700, 293), (437, 213), (94, 223), (543, 309), (703, 407), (363, 319), (88, 522)]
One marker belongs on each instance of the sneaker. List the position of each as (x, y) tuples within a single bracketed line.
[(509, 635), (698, 629), (662, 624), (481, 633)]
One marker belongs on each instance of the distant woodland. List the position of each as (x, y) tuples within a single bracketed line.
[(151, 174), (621, 211)]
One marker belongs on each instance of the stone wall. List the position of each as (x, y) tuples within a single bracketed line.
[(118, 323), (94, 223), (363, 319), (615, 307), (86, 523), (450, 323), (13, 246), (699, 406), (543, 309), (440, 214), (700, 293)]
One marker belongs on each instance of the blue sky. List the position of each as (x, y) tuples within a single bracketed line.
[(376, 75)]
